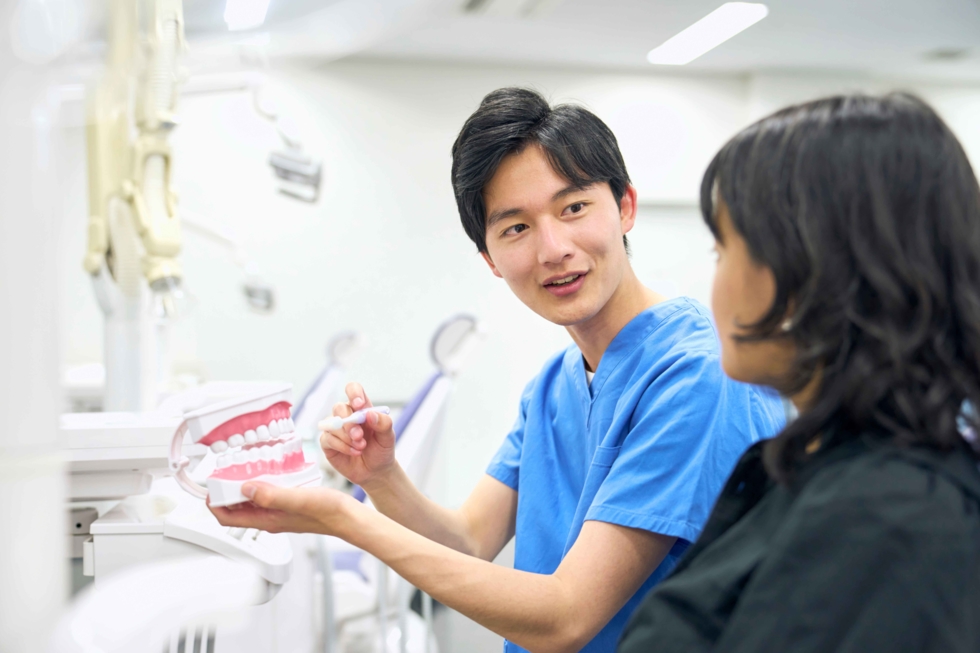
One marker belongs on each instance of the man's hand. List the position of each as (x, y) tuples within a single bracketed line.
[(361, 453), (289, 510)]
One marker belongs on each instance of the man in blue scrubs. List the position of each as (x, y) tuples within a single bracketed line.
[(622, 442)]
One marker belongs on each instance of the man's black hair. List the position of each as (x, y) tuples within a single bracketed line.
[(579, 146), (867, 212)]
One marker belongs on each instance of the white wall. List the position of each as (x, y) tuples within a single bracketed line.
[(959, 105), (383, 251)]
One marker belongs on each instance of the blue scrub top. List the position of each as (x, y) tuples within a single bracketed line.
[(648, 445)]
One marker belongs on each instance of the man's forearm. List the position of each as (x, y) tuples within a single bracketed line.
[(395, 496), (532, 610)]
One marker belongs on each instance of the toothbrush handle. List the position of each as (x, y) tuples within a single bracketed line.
[(361, 416), (333, 423)]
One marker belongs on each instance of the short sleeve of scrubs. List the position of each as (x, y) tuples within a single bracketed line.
[(656, 480), (506, 464)]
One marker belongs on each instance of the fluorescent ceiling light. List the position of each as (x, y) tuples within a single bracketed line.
[(711, 31), (245, 14)]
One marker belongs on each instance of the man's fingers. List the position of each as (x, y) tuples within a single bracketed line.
[(330, 442), (264, 495), (381, 424), (356, 396), (339, 434), (341, 409), (238, 514)]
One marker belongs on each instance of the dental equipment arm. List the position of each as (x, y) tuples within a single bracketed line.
[(260, 295), (134, 231), (136, 171)]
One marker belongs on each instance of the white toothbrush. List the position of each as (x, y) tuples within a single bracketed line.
[(359, 417)]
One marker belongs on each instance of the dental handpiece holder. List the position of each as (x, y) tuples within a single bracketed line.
[(253, 438)]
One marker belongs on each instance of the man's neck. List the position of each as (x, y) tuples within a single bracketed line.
[(594, 335)]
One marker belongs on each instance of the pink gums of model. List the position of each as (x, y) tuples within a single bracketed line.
[(257, 444)]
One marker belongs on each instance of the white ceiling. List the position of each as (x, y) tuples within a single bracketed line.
[(891, 37), (879, 37)]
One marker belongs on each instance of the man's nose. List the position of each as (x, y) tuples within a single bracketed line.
[(554, 243)]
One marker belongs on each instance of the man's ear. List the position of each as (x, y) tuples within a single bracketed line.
[(493, 268), (627, 209)]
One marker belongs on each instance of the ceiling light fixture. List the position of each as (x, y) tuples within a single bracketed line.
[(245, 14), (711, 31)]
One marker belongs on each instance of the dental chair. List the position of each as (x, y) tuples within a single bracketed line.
[(320, 397), (355, 586)]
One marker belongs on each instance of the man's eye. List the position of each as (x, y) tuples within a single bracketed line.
[(516, 229), (577, 207)]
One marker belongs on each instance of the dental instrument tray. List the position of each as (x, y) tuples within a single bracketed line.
[(253, 438)]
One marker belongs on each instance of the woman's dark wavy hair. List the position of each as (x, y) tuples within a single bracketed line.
[(868, 213), (579, 146)]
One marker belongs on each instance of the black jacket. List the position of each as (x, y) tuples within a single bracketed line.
[(873, 548)]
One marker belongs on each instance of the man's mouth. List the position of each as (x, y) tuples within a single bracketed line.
[(566, 285), (564, 281)]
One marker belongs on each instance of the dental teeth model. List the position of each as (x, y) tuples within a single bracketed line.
[(253, 439)]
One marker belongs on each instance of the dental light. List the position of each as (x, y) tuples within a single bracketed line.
[(253, 438), (299, 174), (708, 33)]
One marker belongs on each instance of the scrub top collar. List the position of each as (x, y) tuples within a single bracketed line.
[(629, 338)]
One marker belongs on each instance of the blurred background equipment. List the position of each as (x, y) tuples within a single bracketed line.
[(134, 230), (109, 107)]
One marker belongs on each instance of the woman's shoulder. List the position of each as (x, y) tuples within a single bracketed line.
[(895, 488)]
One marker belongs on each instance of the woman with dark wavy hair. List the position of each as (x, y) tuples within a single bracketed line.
[(848, 278)]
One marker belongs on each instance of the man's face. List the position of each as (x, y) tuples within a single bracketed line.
[(559, 248)]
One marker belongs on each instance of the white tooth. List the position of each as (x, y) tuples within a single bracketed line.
[(274, 429), (240, 458), (224, 460), (277, 452), (295, 445), (250, 437), (254, 455), (265, 453), (291, 424), (282, 426), (255, 434), (219, 446), (263, 432), (236, 440)]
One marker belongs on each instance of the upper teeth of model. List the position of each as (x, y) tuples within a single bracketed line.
[(275, 429), (565, 280)]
